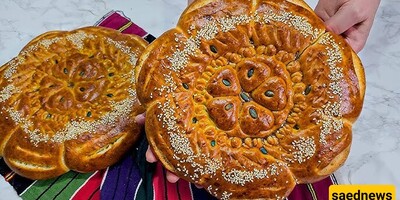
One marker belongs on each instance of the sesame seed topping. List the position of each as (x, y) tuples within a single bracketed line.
[(170, 86), (13, 65), (46, 43), (77, 38), (73, 129), (226, 195), (297, 22), (7, 92), (179, 143), (304, 149), (121, 45), (331, 118), (228, 24), (241, 177)]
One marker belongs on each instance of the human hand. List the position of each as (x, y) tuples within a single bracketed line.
[(351, 18), (150, 157), (140, 118)]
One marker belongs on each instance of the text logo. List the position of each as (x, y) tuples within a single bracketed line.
[(362, 192)]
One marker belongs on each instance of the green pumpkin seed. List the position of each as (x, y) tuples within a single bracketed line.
[(307, 90), (226, 82), (269, 93), (65, 71), (111, 74), (194, 120), (245, 97), (82, 89), (228, 106), (81, 73), (89, 114), (251, 41), (263, 150), (48, 116), (253, 113), (297, 55), (186, 86), (213, 49), (250, 73), (213, 143), (296, 127), (110, 95)]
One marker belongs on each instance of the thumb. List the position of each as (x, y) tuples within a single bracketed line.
[(344, 18), (140, 119)]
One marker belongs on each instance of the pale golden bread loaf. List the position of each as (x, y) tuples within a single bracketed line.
[(68, 102), (248, 98)]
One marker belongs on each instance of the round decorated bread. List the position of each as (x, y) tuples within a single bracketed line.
[(249, 98), (68, 102)]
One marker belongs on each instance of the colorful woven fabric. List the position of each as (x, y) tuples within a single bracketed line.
[(133, 177)]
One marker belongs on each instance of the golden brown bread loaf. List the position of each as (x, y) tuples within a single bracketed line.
[(68, 102), (248, 98)]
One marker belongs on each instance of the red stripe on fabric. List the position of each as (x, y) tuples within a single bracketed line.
[(136, 30), (322, 188), (300, 192), (175, 191), (96, 196), (114, 21), (184, 190), (172, 191), (158, 183), (91, 185)]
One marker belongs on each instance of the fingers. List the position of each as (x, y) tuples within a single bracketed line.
[(326, 8), (343, 19), (140, 119), (172, 178), (357, 37), (150, 157), (321, 13)]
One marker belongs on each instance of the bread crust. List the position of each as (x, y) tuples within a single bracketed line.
[(249, 98), (68, 102)]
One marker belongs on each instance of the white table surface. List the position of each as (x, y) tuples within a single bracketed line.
[(375, 153)]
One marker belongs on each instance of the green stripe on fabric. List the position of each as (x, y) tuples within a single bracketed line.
[(48, 189), (39, 187), (74, 185)]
